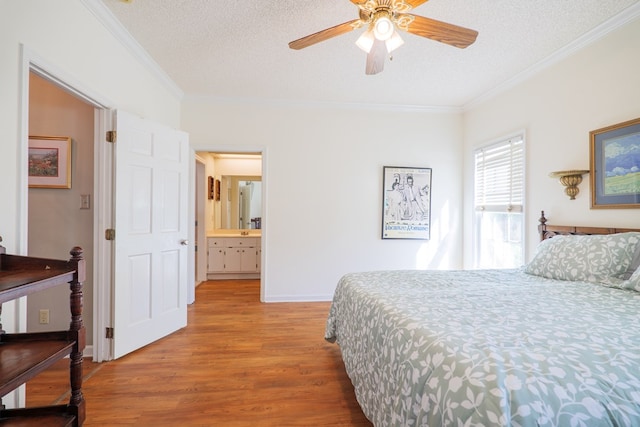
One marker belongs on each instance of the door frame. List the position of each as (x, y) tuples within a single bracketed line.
[(103, 185), (249, 149), (200, 240)]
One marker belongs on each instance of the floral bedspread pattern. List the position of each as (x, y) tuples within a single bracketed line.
[(488, 348)]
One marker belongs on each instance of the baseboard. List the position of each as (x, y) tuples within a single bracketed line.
[(232, 276), (88, 351)]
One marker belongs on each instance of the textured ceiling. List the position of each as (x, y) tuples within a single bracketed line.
[(239, 49)]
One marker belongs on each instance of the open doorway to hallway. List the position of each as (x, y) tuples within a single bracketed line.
[(60, 218)]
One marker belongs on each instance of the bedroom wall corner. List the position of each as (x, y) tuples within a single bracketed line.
[(595, 87)]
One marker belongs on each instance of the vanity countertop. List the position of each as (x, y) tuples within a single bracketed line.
[(231, 233)]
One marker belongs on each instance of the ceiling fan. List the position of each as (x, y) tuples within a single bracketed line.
[(382, 17)]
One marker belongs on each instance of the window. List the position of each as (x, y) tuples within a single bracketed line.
[(498, 204)]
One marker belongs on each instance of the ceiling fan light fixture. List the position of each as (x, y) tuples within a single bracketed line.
[(383, 18), (394, 42), (365, 41), (383, 28)]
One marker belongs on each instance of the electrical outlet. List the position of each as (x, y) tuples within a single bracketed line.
[(44, 316)]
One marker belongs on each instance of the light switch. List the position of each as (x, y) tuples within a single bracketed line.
[(85, 201)]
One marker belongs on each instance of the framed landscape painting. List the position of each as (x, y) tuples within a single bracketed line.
[(406, 209), (615, 166), (49, 162)]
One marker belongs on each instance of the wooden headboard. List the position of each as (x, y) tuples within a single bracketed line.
[(548, 231)]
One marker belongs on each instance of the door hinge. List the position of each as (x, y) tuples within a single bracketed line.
[(112, 136), (110, 234), (109, 333)]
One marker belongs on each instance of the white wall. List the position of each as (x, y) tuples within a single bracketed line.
[(323, 182), (77, 47), (324, 163), (596, 87)]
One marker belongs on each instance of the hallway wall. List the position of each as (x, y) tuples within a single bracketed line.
[(56, 222)]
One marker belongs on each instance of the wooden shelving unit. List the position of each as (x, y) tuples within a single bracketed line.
[(25, 355)]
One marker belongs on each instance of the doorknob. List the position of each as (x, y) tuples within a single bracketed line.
[(184, 242)]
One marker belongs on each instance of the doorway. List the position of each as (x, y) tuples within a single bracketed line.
[(200, 226), (61, 218), (232, 176), (101, 194)]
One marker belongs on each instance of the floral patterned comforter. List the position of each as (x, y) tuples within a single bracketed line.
[(488, 348)]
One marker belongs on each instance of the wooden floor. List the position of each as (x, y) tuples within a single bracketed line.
[(238, 363)]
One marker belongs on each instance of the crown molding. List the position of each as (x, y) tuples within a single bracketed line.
[(115, 27), (289, 103), (621, 19)]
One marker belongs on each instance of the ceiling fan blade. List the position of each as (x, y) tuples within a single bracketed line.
[(440, 31), (376, 57), (325, 34)]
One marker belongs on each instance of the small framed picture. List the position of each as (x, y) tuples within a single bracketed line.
[(406, 207), (210, 189), (216, 190), (49, 161), (615, 166)]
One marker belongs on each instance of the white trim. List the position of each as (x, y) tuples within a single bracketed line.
[(232, 276), (269, 102), (113, 25), (88, 351), (124, 37), (225, 148), (22, 201), (103, 249), (296, 298), (57, 77), (201, 236), (264, 232), (191, 229), (522, 132), (629, 14), (18, 397)]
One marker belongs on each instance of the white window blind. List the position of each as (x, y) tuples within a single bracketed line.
[(499, 200), (499, 176)]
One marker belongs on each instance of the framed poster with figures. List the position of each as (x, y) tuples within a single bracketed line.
[(406, 206)]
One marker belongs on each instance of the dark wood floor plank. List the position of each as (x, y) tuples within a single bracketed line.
[(238, 363)]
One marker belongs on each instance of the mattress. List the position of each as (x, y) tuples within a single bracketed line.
[(488, 348)]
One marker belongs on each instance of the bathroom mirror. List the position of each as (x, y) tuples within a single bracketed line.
[(241, 202)]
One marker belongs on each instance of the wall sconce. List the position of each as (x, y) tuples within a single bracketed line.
[(570, 179)]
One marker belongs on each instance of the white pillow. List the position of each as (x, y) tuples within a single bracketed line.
[(635, 263), (634, 281), (590, 258)]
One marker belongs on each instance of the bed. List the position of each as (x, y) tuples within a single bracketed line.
[(554, 343)]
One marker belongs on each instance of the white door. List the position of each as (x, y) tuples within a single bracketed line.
[(151, 229)]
